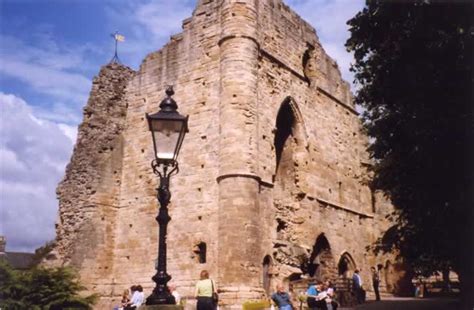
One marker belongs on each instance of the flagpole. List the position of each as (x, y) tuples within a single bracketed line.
[(116, 56), (117, 37)]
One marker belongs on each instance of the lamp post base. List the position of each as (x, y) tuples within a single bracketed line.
[(161, 307), (164, 299)]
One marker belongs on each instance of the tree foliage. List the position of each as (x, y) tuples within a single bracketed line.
[(413, 66), (41, 288)]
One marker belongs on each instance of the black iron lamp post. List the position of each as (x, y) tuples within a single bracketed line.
[(168, 128)]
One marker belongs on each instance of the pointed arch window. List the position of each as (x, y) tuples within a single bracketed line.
[(284, 126)]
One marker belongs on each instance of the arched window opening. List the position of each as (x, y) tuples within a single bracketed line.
[(267, 263), (321, 261), (346, 265), (284, 125), (200, 250)]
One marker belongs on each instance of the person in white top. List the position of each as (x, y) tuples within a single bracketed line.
[(138, 298), (328, 288), (175, 293)]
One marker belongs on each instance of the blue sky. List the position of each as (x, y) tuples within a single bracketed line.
[(50, 51)]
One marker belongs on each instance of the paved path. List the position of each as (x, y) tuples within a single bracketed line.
[(409, 304)]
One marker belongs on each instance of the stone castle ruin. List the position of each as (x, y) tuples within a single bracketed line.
[(273, 172)]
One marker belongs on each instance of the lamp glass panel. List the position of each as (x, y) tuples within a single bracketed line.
[(166, 135)]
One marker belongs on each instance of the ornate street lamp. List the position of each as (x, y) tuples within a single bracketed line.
[(168, 128)]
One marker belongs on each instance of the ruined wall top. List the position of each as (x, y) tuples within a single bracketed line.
[(278, 30)]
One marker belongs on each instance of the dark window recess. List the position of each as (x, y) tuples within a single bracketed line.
[(346, 265), (305, 59), (321, 245), (201, 250), (284, 125), (373, 200), (267, 262), (282, 225)]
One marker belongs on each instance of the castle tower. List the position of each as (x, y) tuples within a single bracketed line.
[(238, 180), (273, 172)]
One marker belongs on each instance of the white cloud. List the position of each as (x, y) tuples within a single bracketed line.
[(60, 112), (162, 18), (49, 54), (53, 69), (33, 156), (69, 131), (147, 25), (47, 80)]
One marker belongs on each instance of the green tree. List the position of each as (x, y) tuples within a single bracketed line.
[(41, 288), (413, 66)]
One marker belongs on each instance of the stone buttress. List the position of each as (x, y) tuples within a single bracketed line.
[(239, 225)]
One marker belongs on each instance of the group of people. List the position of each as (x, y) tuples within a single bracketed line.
[(138, 297), (319, 296), (133, 302), (205, 293), (359, 290)]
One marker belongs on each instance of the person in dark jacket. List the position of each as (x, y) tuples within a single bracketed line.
[(281, 298)]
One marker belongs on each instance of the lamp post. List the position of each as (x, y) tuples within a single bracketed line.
[(168, 128)]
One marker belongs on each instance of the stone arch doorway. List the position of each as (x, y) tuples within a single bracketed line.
[(346, 266), (321, 261), (267, 274)]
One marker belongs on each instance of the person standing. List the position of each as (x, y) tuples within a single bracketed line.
[(281, 298), (376, 282), (204, 289), (358, 290), (332, 294), (311, 295)]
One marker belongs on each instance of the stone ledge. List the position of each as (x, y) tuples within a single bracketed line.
[(327, 94), (337, 206)]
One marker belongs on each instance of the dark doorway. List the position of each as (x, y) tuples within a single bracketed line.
[(267, 263)]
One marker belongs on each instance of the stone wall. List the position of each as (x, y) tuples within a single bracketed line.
[(88, 194), (273, 168)]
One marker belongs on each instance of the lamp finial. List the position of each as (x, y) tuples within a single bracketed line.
[(169, 90)]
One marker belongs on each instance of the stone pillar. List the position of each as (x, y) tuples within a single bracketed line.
[(239, 258)]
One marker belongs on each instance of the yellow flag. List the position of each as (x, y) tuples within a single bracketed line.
[(119, 37)]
